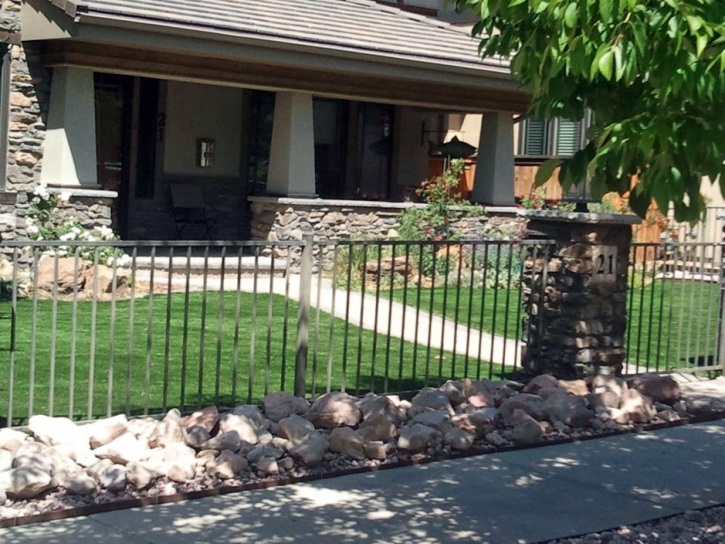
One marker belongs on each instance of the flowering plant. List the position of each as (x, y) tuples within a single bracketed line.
[(45, 221)]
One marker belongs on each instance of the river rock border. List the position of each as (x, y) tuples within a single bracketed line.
[(59, 469)]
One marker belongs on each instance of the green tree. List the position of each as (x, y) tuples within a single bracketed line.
[(651, 71)]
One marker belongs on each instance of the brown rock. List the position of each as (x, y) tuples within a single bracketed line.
[(348, 442), (67, 276), (377, 427), (539, 383), (333, 410), (664, 389), (574, 387)]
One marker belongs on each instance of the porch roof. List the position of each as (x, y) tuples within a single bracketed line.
[(345, 25)]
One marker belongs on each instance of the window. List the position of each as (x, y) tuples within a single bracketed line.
[(260, 140), (4, 111), (552, 137)]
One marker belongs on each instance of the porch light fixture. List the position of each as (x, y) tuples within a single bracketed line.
[(205, 152), (456, 149)]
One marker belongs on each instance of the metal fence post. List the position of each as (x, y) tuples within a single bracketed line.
[(721, 310), (303, 319)]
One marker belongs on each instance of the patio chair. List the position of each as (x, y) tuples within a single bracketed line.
[(189, 210)]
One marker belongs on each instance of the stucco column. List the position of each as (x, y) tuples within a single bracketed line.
[(69, 156), (494, 181), (292, 157)]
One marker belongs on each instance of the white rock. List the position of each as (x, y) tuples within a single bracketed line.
[(207, 417), (286, 463), (139, 475), (143, 428), (169, 431), (377, 427), (57, 430), (388, 407), (227, 465), (25, 482), (123, 450), (11, 437), (80, 484), (6, 460), (113, 478), (278, 406), (105, 431), (224, 441), (30, 458), (97, 469), (334, 409), (243, 425), (180, 472), (196, 436), (295, 428)]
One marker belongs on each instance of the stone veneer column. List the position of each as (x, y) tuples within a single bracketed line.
[(69, 157), (292, 155), (494, 181), (575, 296)]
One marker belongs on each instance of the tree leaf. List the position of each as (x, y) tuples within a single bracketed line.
[(606, 64), (545, 171)]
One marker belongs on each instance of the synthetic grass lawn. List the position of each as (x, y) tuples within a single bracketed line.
[(130, 358), (671, 323)]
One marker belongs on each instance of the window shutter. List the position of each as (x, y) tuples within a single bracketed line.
[(568, 137), (535, 137)]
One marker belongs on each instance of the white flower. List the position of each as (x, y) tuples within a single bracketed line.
[(123, 260), (76, 231), (67, 236), (32, 229), (29, 221), (64, 196), (105, 233)]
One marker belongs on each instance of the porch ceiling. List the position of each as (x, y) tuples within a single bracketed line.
[(347, 48)]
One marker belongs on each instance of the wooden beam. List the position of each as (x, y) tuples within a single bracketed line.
[(170, 65)]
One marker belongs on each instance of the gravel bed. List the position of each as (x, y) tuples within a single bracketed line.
[(702, 526)]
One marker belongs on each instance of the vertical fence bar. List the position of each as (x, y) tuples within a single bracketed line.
[(698, 346), (507, 311), (650, 326), (53, 335), (431, 311), (316, 345), (630, 301), (362, 318), (202, 332), (401, 347), (542, 306), (303, 318), (390, 319), (167, 332), (710, 303), (441, 353), (330, 345), (348, 288), (482, 315), (270, 299), (469, 321), (641, 308), (285, 324), (721, 311), (73, 331), (92, 354), (34, 335), (185, 334), (13, 337), (220, 326), (131, 317), (112, 339), (237, 318), (519, 304), (456, 312), (419, 293), (660, 331), (149, 334), (376, 312), (682, 298), (495, 310), (253, 327)]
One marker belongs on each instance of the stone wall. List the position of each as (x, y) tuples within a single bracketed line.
[(29, 101), (575, 296)]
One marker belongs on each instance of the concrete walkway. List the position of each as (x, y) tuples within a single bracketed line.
[(394, 318), (519, 497)]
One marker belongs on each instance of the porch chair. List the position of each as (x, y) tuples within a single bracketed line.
[(189, 210)]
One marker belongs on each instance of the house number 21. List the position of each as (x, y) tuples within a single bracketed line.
[(605, 262)]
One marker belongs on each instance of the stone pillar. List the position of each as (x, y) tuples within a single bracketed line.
[(494, 181), (575, 294), (69, 156), (292, 156)]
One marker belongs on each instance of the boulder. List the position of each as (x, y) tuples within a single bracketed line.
[(29, 457), (431, 399), (181, 471), (52, 431), (571, 410), (204, 456), (526, 433), (169, 431), (664, 389), (196, 436), (97, 469), (348, 442), (440, 421), (123, 450), (416, 438), (334, 410), (377, 427), (26, 482), (574, 387), (455, 391), (105, 431), (139, 475), (80, 484), (616, 385), (373, 405), (11, 437), (606, 398), (65, 278), (227, 465), (207, 418), (268, 466), (459, 440), (6, 460), (540, 382), (495, 439), (246, 427), (102, 279), (531, 404), (482, 399), (376, 450), (310, 450), (143, 428), (264, 451), (281, 405), (479, 422), (224, 441), (639, 407), (295, 428), (113, 478)]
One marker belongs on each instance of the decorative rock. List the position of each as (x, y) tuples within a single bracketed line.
[(295, 428), (204, 456), (180, 472), (97, 469), (376, 450), (569, 409), (334, 410), (616, 385), (526, 433), (562, 427), (169, 431), (27, 457), (531, 404), (417, 438), (139, 476), (245, 427), (105, 431), (440, 421), (287, 463), (454, 389), (268, 465), (459, 439), (495, 439), (81, 484), (372, 405), (11, 437), (143, 428), (123, 450), (25, 482), (540, 382), (6, 460), (224, 441), (348, 442), (227, 465), (639, 407), (263, 451), (377, 427), (482, 399), (197, 435), (113, 478), (56, 430), (664, 389), (431, 399), (278, 406), (310, 450), (668, 416), (574, 387), (207, 418), (608, 399)]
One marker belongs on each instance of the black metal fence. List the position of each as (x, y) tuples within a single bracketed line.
[(92, 329), (675, 307)]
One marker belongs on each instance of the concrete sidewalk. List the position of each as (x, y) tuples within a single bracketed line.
[(519, 497)]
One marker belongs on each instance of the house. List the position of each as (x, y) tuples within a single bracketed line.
[(280, 116)]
